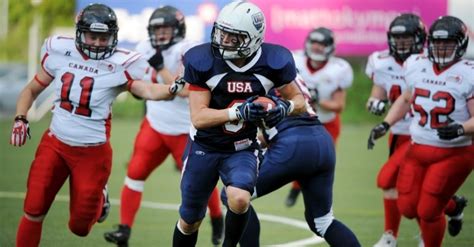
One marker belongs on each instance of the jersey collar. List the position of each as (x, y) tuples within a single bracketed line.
[(248, 65)]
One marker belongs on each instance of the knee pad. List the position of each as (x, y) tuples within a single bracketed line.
[(136, 185), (319, 225), (390, 194)]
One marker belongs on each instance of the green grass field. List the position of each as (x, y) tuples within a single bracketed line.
[(357, 201)]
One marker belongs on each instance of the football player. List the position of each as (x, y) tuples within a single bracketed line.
[(225, 76), (440, 91), (406, 36), (165, 128), (87, 72), (327, 78), (312, 164)]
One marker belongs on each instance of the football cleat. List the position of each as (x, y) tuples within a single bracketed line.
[(455, 218), (120, 236), (105, 206), (387, 240), (217, 230), (292, 196)]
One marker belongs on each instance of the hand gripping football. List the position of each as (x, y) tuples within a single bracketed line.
[(267, 103)]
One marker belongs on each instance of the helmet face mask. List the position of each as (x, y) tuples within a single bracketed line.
[(447, 41), (231, 43), (443, 50), (403, 43), (238, 31), (159, 23), (406, 36), (96, 22), (319, 45)]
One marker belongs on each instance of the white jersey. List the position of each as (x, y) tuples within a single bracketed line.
[(437, 96), (85, 88), (386, 73), (334, 75), (170, 117)]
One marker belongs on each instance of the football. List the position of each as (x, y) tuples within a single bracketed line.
[(267, 103)]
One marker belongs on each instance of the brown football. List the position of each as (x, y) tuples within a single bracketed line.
[(267, 103)]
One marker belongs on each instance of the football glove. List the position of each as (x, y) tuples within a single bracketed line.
[(314, 95), (177, 86), (376, 106), (249, 111), (451, 131), (378, 131), (283, 108), (156, 61), (20, 131)]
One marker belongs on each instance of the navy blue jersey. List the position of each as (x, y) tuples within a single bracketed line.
[(271, 66)]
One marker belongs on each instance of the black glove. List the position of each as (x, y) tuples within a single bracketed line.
[(376, 106), (249, 111), (378, 131), (314, 95), (156, 61), (450, 131), (177, 86), (283, 108)]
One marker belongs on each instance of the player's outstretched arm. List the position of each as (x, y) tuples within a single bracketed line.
[(169, 78), (153, 91), (28, 95)]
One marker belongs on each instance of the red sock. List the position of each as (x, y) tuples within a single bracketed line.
[(433, 232), (214, 204), (392, 216), (295, 185), (29, 233), (129, 205), (450, 206)]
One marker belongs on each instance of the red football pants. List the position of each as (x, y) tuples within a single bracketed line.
[(88, 169), (334, 128), (429, 177), (151, 149), (387, 177)]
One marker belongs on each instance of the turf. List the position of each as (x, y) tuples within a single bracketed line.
[(357, 202)]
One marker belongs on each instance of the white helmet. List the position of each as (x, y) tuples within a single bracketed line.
[(243, 19)]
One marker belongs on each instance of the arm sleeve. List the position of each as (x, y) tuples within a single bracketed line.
[(46, 63), (369, 68), (346, 76)]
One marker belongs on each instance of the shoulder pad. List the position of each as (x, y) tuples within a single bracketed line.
[(143, 46), (59, 44), (124, 57), (276, 56), (200, 57)]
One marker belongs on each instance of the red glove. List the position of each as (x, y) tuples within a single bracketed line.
[(21, 130)]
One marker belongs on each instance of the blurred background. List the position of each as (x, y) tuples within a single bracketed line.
[(360, 28), (359, 25)]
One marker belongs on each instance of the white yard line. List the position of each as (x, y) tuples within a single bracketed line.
[(168, 206)]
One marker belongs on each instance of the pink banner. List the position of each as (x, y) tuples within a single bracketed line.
[(360, 26)]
